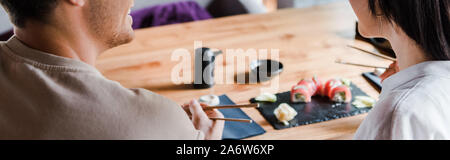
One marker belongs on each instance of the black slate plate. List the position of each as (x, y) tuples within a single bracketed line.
[(319, 110)]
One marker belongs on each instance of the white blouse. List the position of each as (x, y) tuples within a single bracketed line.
[(414, 105)]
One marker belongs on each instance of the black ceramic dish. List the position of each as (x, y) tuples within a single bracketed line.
[(319, 110), (265, 70)]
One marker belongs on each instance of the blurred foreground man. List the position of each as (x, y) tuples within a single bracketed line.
[(50, 89)]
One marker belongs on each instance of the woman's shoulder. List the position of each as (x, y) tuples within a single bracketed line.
[(428, 92), (422, 109), (410, 110), (424, 90)]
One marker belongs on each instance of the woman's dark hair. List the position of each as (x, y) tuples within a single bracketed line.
[(22, 10), (427, 22)]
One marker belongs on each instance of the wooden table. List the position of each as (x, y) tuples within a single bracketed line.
[(309, 41)]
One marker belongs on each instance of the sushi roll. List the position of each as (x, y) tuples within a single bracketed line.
[(305, 89), (332, 83), (320, 87), (341, 94), (309, 83), (300, 93)]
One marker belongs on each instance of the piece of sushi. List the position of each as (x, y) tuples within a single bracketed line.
[(341, 94), (309, 83), (332, 83), (285, 113), (300, 94), (320, 86)]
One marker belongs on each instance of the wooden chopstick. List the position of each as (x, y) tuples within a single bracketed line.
[(359, 65), (253, 105), (233, 120), (372, 53)]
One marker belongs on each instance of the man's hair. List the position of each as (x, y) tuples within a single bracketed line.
[(21, 11), (427, 22)]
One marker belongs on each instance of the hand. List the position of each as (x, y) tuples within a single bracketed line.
[(393, 68), (200, 118)]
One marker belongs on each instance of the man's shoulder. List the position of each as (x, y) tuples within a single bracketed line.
[(2, 44)]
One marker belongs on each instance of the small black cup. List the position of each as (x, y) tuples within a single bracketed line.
[(204, 68)]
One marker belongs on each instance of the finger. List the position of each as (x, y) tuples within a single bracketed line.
[(209, 113), (397, 69), (218, 125), (186, 109), (189, 115), (185, 106), (393, 68), (214, 113), (197, 111), (392, 65), (204, 105), (387, 74), (218, 114)]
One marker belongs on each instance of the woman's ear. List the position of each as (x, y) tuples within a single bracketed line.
[(384, 25)]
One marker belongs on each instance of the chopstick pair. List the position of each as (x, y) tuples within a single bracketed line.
[(372, 53), (233, 120), (359, 65), (253, 105)]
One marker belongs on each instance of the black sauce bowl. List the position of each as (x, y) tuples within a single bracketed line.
[(265, 70)]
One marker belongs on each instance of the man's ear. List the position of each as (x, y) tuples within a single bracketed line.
[(77, 2)]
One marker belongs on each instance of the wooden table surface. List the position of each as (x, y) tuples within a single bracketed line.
[(309, 40)]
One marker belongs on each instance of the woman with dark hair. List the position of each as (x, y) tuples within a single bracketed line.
[(415, 100)]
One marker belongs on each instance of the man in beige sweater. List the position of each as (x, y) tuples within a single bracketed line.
[(50, 89)]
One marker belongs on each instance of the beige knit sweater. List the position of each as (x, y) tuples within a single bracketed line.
[(43, 96)]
